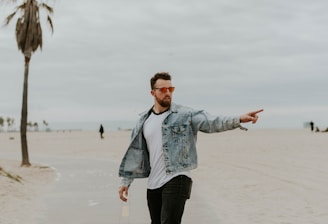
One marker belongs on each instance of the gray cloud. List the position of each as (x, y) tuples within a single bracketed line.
[(225, 56)]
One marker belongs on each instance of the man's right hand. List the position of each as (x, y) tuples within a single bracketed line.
[(123, 192)]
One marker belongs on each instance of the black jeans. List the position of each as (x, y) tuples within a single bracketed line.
[(166, 204)]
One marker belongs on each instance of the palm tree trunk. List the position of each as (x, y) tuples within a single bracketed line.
[(25, 157)]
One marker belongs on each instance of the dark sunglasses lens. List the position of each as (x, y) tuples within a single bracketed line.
[(171, 89)]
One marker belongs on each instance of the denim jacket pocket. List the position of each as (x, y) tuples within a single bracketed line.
[(179, 135), (179, 143), (178, 130)]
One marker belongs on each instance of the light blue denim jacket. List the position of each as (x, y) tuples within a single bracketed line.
[(179, 131)]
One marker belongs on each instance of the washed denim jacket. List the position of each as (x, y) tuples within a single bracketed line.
[(179, 131)]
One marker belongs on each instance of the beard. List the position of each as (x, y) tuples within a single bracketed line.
[(166, 102)]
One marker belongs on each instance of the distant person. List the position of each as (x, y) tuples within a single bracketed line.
[(163, 149), (312, 125), (101, 131)]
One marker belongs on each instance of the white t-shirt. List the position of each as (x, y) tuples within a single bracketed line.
[(152, 131)]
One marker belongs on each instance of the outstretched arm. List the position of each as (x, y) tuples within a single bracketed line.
[(250, 117)]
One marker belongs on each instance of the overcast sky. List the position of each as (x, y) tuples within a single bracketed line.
[(225, 56)]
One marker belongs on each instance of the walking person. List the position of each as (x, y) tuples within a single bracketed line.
[(101, 131), (163, 149), (312, 125)]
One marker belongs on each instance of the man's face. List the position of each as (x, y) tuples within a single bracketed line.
[(162, 97)]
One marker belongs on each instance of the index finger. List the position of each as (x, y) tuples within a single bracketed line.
[(258, 111)]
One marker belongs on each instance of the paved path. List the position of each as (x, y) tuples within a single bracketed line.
[(86, 193)]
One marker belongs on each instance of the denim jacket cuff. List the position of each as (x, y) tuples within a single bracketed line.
[(236, 123), (126, 182)]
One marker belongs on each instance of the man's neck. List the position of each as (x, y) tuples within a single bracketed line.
[(159, 109)]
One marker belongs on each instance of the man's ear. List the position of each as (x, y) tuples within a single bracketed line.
[(152, 92)]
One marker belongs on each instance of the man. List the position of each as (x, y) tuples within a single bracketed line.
[(311, 125), (101, 131), (163, 148)]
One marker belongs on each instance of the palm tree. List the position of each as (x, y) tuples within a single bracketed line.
[(10, 123), (36, 126), (29, 39), (2, 122)]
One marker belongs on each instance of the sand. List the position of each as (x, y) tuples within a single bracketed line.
[(258, 176), (21, 195)]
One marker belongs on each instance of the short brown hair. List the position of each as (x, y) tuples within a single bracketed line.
[(159, 75)]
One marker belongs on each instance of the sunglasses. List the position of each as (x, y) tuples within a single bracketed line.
[(164, 89)]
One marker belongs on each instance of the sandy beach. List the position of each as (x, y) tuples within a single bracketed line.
[(258, 176)]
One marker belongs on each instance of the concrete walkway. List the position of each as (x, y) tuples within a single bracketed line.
[(86, 193)]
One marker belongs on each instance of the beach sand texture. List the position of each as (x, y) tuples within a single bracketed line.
[(258, 176)]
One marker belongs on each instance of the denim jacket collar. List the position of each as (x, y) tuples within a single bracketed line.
[(173, 108)]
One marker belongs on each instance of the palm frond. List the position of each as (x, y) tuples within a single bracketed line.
[(18, 8), (21, 7), (34, 28), (39, 36), (50, 24), (9, 18), (28, 25), (21, 30), (47, 7)]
